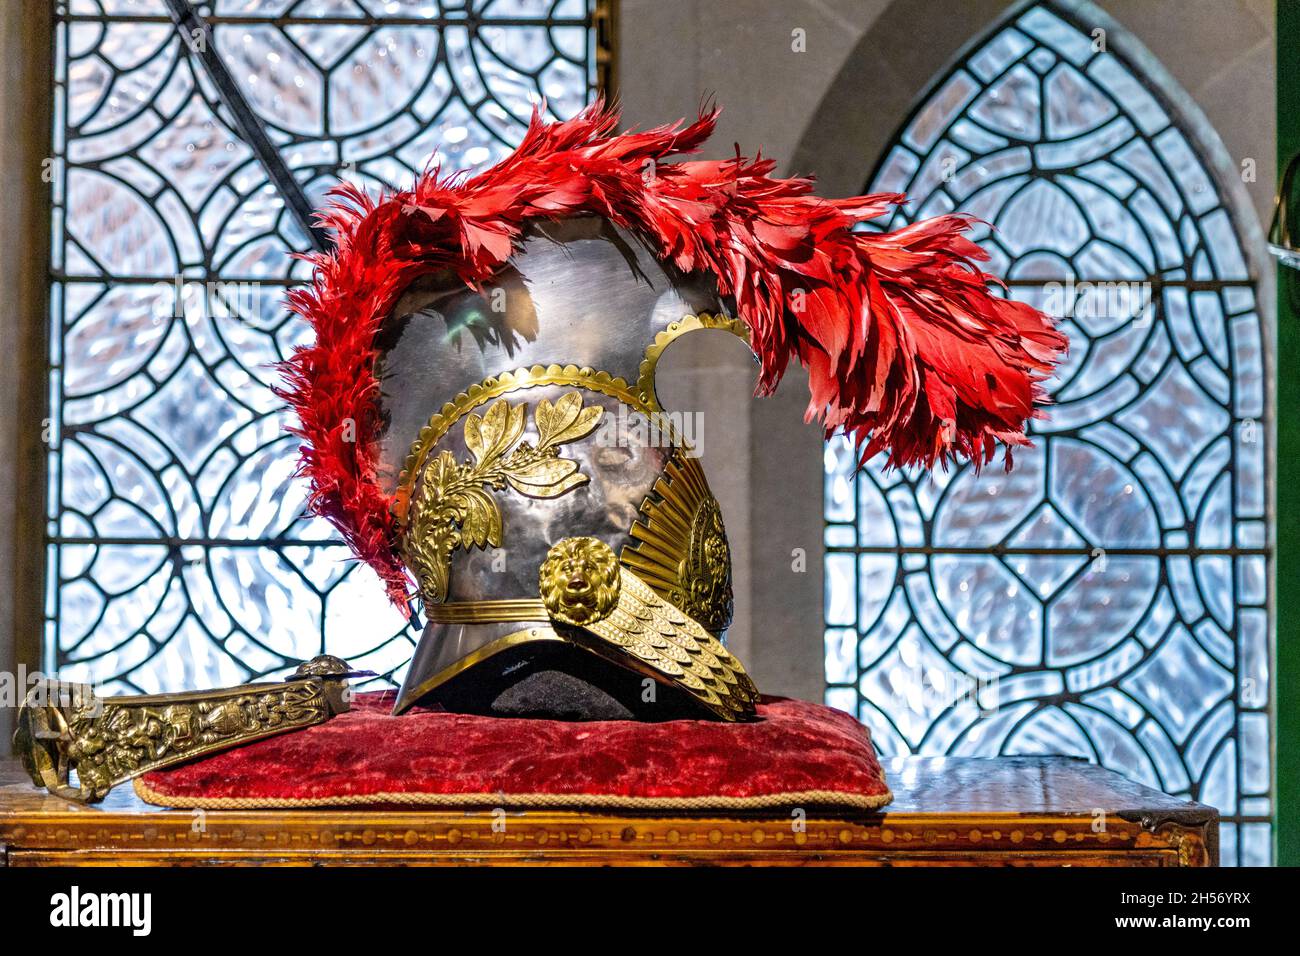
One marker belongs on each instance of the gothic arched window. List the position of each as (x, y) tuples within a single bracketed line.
[(1108, 597), (177, 557)]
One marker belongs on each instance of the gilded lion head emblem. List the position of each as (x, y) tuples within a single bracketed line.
[(579, 580)]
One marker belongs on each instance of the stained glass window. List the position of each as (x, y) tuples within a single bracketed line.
[(177, 554), (1107, 598)]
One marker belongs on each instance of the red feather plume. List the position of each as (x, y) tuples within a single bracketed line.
[(906, 348)]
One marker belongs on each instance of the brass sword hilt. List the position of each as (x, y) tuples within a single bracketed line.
[(65, 728)]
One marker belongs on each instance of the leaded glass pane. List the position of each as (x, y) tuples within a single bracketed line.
[(178, 556), (1108, 597)]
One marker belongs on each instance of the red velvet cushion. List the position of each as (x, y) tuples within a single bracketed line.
[(798, 754)]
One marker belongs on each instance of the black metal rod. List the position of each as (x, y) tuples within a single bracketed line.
[(192, 28)]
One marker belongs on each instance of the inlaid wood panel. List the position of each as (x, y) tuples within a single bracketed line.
[(1007, 812)]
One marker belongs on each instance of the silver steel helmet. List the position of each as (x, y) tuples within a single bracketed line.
[(570, 558)]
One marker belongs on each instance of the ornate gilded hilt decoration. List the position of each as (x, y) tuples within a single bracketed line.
[(65, 729)]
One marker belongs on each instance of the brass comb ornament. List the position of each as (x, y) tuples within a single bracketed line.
[(65, 728)]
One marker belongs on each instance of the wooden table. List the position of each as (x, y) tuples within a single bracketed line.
[(1022, 811)]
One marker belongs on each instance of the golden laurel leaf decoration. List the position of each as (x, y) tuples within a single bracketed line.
[(456, 507)]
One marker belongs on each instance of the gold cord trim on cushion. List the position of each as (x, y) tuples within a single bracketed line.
[(574, 801)]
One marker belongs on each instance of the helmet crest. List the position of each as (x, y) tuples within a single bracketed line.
[(905, 347)]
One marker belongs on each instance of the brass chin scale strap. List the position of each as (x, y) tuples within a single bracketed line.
[(583, 586), (585, 591)]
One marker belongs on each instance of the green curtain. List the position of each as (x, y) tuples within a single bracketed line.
[(1286, 688)]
